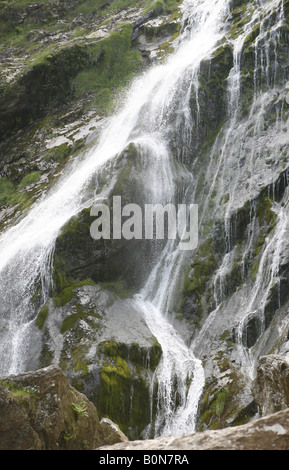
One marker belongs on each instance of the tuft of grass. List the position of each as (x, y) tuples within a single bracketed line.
[(7, 193), (17, 391), (29, 179), (114, 64)]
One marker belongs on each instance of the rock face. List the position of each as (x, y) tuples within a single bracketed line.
[(271, 386), (111, 432), (41, 411), (270, 433)]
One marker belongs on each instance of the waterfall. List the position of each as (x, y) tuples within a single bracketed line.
[(157, 106), (27, 248), (242, 140)]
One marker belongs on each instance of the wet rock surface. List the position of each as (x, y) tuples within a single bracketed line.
[(271, 385), (105, 347)]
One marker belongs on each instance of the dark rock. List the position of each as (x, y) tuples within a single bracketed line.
[(271, 385), (40, 410)]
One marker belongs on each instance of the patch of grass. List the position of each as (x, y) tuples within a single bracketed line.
[(59, 153), (29, 179), (8, 196), (17, 391), (114, 64)]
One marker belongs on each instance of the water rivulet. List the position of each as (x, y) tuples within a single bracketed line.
[(164, 340)]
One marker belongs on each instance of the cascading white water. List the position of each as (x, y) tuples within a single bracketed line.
[(27, 248), (229, 174)]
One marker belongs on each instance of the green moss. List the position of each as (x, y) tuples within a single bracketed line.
[(114, 64), (59, 153), (220, 401), (8, 196), (29, 179), (224, 336), (260, 243), (265, 213), (69, 322), (241, 16), (42, 316), (66, 295), (200, 273), (82, 365), (215, 408), (250, 38), (18, 392), (124, 394), (220, 406)]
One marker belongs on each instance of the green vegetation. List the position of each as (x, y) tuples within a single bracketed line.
[(68, 292), (220, 407), (124, 394), (203, 266), (42, 316), (115, 63), (199, 274), (17, 391), (68, 436), (80, 409), (59, 153), (70, 321), (7, 192), (241, 16), (265, 213), (29, 179)]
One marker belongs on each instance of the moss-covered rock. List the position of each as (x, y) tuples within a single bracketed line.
[(220, 405), (124, 393), (44, 412), (113, 368), (195, 285)]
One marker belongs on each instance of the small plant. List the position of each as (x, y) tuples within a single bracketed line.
[(80, 408), (68, 436)]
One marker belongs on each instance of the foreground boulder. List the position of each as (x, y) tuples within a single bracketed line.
[(41, 411), (111, 432), (269, 433)]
